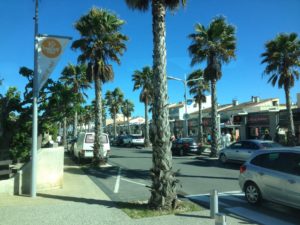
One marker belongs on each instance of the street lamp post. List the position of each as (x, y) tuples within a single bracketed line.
[(185, 117)]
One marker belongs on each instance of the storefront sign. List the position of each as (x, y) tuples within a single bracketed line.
[(258, 119)]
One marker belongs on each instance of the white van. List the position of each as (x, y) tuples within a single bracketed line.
[(83, 148)]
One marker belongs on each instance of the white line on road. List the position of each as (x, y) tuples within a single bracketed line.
[(117, 185), (130, 181)]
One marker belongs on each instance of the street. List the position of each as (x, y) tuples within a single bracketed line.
[(127, 179)]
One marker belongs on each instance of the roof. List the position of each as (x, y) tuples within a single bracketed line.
[(248, 104)]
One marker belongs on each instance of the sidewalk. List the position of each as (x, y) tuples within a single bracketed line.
[(82, 202)]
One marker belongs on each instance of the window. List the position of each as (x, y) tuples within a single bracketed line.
[(266, 160), (236, 145), (282, 162), (89, 138)]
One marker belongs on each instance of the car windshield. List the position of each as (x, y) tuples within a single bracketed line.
[(136, 136), (270, 145), (187, 140)]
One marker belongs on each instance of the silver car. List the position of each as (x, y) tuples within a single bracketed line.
[(242, 150), (272, 175)]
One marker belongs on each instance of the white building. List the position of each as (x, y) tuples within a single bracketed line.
[(177, 110)]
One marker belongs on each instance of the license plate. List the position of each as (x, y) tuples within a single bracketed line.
[(88, 153)]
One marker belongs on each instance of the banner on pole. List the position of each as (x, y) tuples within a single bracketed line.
[(50, 48)]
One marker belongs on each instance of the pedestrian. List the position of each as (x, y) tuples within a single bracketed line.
[(208, 138), (267, 136), (227, 139), (223, 140), (58, 139)]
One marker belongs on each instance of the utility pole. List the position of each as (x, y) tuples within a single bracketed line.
[(35, 108), (185, 116)]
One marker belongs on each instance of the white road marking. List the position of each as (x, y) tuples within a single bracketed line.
[(117, 185), (206, 199), (134, 182), (256, 216)]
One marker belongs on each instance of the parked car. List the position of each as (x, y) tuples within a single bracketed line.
[(137, 140), (241, 151), (83, 148), (183, 146), (123, 140), (272, 175)]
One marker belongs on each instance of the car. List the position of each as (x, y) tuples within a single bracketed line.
[(83, 148), (272, 175), (241, 151), (123, 140), (137, 140), (183, 146)]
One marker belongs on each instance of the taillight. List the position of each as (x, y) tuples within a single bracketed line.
[(186, 145), (243, 169)]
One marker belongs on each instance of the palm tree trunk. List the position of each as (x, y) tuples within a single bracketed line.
[(128, 125), (291, 127), (98, 149), (163, 189), (147, 142), (75, 127), (214, 129), (115, 125), (65, 133), (200, 125)]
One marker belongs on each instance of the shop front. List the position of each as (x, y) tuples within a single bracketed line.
[(283, 123), (257, 125)]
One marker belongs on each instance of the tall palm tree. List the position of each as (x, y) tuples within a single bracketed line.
[(114, 101), (143, 80), (100, 43), (127, 109), (163, 189), (282, 59), (198, 89), (215, 44), (75, 77)]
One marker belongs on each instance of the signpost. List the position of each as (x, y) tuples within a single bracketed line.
[(47, 51)]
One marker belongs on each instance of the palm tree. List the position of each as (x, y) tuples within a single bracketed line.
[(114, 101), (100, 43), (75, 77), (127, 108), (143, 79), (216, 44), (282, 59), (198, 88), (163, 189)]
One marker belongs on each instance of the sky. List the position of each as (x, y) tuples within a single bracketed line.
[(256, 22)]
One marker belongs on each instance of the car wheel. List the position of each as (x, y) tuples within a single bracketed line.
[(252, 193), (223, 158)]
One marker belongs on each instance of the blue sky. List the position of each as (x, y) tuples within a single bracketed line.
[(256, 22)]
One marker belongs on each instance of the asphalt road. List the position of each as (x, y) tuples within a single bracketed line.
[(127, 179)]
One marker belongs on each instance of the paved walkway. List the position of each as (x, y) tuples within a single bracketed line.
[(82, 202)]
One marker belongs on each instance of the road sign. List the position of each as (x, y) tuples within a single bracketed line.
[(186, 116)]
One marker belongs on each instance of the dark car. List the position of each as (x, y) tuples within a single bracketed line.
[(123, 140), (183, 146)]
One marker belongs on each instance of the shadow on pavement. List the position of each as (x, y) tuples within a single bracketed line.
[(209, 177), (191, 215), (80, 200)]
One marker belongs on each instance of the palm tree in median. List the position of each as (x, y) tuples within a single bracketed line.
[(282, 59), (216, 44), (163, 189), (198, 89), (114, 101), (143, 79), (100, 43), (127, 108)]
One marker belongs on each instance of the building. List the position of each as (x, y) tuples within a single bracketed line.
[(177, 112)]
